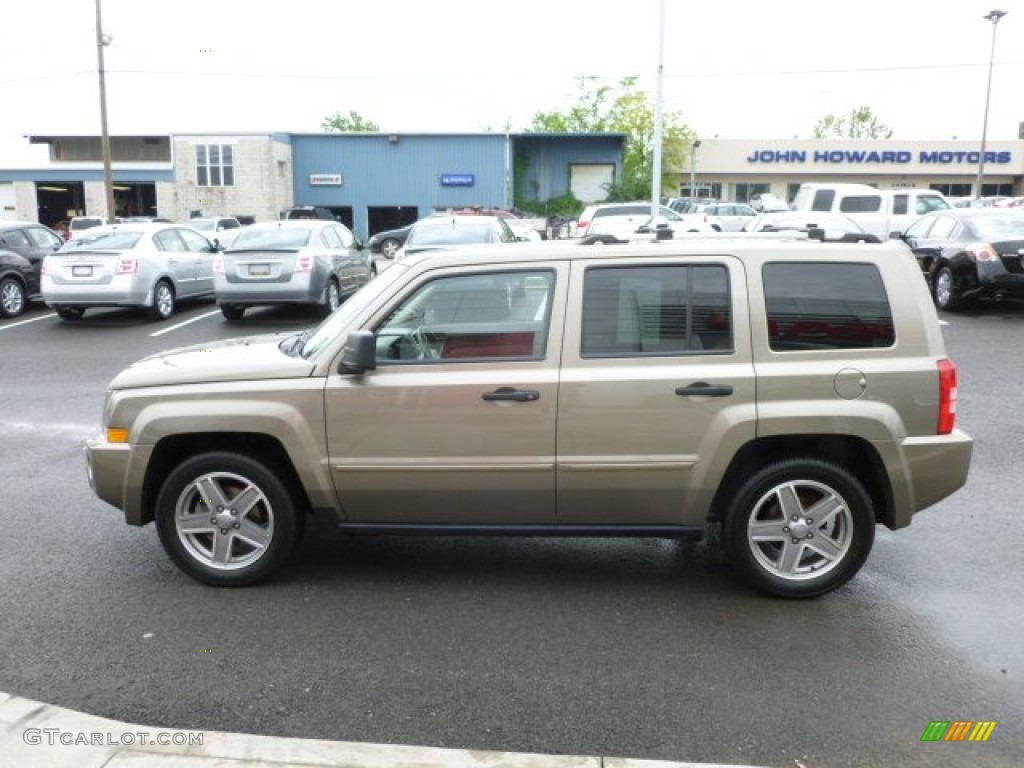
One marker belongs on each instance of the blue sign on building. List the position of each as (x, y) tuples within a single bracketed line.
[(457, 179)]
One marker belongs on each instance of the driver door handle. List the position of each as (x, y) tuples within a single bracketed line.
[(703, 389), (511, 393)]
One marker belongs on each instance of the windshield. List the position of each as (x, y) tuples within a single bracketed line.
[(274, 238), (203, 225), (106, 240), (341, 318)]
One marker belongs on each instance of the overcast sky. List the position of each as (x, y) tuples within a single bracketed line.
[(741, 69)]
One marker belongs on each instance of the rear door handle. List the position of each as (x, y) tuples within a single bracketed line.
[(703, 389), (511, 393)]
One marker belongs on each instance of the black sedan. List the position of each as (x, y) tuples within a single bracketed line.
[(388, 242), (23, 246), (970, 253)]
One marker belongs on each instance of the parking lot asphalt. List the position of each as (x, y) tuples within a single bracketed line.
[(494, 647)]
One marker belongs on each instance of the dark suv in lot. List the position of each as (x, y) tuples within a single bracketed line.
[(790, 394)]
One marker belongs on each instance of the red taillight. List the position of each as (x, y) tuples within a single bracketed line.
[(982, 252), (947, 397), (582, 226), (304, 264), (127, 266), (218, 264)]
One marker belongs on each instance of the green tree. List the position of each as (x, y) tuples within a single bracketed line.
[(860, 123), (624, 108), (353, 122)]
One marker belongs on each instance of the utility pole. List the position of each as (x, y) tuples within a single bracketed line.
[(108, 172)]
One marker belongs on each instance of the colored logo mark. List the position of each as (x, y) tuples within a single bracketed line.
[(959, 730)]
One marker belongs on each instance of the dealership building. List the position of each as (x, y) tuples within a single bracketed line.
[(377, 181)]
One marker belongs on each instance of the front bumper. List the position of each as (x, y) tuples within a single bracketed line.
[(109, 469)]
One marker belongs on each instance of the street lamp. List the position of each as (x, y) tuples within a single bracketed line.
[(108, 174), (994, 17), (693, 167)]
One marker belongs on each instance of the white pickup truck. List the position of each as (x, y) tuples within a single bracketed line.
[(879, 211)]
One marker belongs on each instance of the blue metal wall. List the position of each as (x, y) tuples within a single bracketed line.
[(403, 170), (545, 160)]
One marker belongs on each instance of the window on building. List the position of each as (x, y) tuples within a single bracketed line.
[(215, 165), (953, 190), (744, 192)]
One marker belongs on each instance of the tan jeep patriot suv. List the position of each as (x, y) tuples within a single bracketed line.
[(788, 393)]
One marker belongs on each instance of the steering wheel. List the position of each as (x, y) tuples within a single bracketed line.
[(423, 343)]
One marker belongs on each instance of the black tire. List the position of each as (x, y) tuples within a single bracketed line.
[(70, 314), (232, 312), (207, 541), (163, 301), (12, 297), (331, 299), (944, 289), (784, 557)]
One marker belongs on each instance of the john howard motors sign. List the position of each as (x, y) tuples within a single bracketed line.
[(874, 157)]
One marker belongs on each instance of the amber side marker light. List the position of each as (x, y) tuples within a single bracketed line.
[(117, 435)]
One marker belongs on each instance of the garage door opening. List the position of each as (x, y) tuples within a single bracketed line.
[(135, 199), (58, 201), (384, 217)]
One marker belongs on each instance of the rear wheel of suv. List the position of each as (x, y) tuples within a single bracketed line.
[(799, 528), (226, 519)]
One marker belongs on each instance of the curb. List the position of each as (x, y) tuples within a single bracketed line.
[(46, 736)]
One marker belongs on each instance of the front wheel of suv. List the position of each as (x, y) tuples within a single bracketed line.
[(226, 519), (799, 528)]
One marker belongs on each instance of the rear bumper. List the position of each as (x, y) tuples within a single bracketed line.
[(303, 291), (935, 467)]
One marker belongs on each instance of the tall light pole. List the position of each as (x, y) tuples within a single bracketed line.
[(994, 17), (693, 168), (108, 173), (659, 119)]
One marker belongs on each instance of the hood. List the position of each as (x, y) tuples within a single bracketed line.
[(241, 359)]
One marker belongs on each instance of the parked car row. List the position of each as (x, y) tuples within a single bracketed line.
[(156, 265)]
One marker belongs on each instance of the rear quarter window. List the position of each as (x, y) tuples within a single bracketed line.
[(815, 306)]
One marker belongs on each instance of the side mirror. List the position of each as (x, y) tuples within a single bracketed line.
[(359, 353), (896, 235)]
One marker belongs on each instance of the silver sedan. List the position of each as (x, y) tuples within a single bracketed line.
[(294, 261), (129, 265)]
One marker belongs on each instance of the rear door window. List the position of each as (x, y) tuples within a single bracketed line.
[(656, 310)]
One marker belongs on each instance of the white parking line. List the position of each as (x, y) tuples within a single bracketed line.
[(30, 320), (176, 326)]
